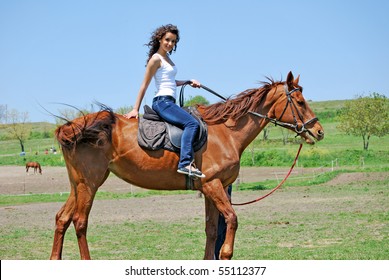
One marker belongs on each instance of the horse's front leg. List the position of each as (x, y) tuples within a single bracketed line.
[(216, 195)]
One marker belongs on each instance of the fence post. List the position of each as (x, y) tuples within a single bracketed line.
[(334, 163), (237, 182), (278, 181)]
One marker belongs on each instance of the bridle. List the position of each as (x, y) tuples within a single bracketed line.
[(293, 107), (276, 121)]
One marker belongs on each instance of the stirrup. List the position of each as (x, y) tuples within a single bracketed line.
[(195, 174)]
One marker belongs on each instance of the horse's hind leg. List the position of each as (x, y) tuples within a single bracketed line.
[(85, 196), (62, 222), (88, 176), (75, 209)]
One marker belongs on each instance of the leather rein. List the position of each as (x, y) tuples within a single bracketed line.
[(275, 121)]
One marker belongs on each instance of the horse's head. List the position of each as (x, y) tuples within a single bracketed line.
[(292, 111)]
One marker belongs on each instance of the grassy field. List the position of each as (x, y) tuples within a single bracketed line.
[(349, 221), (337, 148)]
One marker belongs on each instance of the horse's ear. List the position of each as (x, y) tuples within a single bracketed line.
[(290, 79), (296, 81)]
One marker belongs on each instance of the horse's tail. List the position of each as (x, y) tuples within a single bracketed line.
[(94, 129)]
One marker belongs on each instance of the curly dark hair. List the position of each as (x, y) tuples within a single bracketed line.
[(157, 35)]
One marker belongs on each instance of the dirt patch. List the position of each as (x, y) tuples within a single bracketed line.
[(351, 178), (15, 181)]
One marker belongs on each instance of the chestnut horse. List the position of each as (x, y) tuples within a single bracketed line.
[(99, 143), (35, 165)]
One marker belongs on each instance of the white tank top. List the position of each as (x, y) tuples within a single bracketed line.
[(165, 78)]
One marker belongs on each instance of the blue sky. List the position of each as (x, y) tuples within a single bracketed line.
[(79, 51)]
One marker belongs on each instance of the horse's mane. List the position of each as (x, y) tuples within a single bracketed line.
[(235, 108)]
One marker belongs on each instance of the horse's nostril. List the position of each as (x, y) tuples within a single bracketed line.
[(320, 134)]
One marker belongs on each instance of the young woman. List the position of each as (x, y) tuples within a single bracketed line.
[(159, 65)]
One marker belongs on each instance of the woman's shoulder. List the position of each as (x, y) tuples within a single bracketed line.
[(156, 56), (155, 59)]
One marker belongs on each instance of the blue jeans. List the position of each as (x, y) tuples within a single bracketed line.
[(168, 110)]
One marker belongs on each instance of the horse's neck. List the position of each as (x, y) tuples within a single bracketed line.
[(251, 126), (247, 128)]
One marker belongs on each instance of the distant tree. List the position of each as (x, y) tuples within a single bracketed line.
[(3, 113), (198, 99), (266, 132), (70, 113), (366, 116), (123, 110), (252, 152), (19, 128), (285, 135), (67, 113)]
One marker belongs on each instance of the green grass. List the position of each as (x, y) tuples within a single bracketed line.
[(12, 147), (299, 238), (339, 226), (344, 149), (7, 200), (35, 151), (336, 148), (303, 180), (314, 236), (329, 105)]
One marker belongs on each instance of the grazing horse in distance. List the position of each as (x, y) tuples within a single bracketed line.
[(99, 143), (35, 165)]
